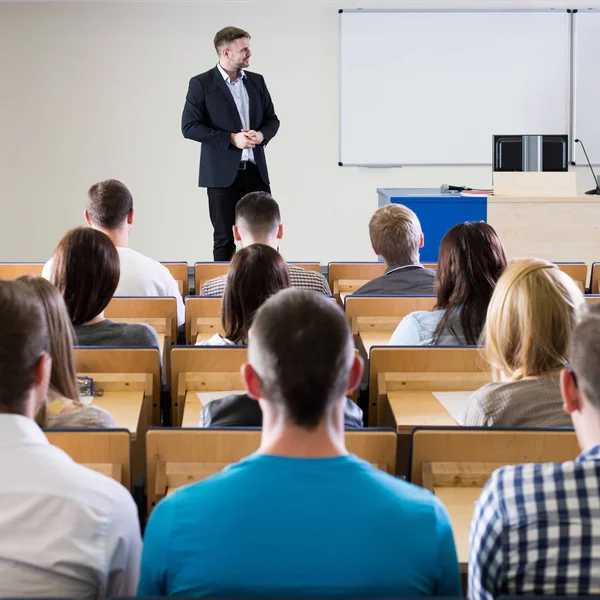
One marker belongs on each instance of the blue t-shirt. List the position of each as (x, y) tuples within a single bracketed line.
[(278, 526)]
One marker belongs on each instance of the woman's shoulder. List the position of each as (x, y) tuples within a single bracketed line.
[(84, 416)]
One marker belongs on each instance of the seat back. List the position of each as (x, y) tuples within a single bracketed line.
[(202, 318), (180, 273), (577, 271), (12, 270)]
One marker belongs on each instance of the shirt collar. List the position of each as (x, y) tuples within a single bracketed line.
[(226, 77), (393, 268), (591, 454), (17, 429)]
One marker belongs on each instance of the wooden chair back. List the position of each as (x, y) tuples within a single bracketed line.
[(107, 452), (12, 270), (202, 318), (142, 361), (592, 299), (595, 279), (424, 368), (577, 271), (176, 457), (180, 273)]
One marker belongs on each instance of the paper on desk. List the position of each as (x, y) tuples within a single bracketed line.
[(206, 397), (455, 403)]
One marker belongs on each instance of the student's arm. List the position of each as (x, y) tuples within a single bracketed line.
[(407, 333), (475, 415), (448, 584), (486, 550), (124, 547), (155, 555)]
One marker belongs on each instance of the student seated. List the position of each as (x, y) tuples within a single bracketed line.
[(396, 236), (258, 221), (64, 408), (470, 262), (256, 273), (85, 270), (536, 527), (110, 210), (65, 530), (300, 517), (529, 323)]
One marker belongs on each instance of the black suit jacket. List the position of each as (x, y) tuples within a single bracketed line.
[(239, 410), (210, 116)]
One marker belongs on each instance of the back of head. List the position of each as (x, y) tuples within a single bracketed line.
[(109, 203), (86, 271), (471, 260), (257, 215), (256, 273), (301, 348), (584, 355), (23, 339), (395, 234), (63, 378), (530, 319)]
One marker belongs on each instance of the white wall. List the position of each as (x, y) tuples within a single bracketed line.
[(90, 91)]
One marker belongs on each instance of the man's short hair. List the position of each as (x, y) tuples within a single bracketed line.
[(584, 354), (86, 270), (23, 339), (301, 347), (225, 36), (258, 214), (395, 234), (109, 203)]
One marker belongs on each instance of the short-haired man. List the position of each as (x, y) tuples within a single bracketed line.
[(301, 517), (258, 221), (230, 112), (65, 530), (536, 527), (110, 210), (396, 236)]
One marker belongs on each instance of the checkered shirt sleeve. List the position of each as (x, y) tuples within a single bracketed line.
[(308, 280), (536, 531), (214, 287)]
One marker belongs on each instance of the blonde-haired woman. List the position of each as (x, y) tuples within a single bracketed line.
[(527, 331), (64, 409)]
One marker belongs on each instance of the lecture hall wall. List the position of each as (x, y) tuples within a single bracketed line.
[(95, 90)]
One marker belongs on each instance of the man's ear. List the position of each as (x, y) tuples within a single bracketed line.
[(355, 376), (130, 217), (86, 217), (236, 234), (570, 393), (421, 240), (280, 231), (251, 381)]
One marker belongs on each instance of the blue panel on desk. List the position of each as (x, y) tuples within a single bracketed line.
[(437, 213)]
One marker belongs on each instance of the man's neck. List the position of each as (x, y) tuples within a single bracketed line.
[(119, 237), (233, 73), (281, 438), (272, 242), (587, 428)]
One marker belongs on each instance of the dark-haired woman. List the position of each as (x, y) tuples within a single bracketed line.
[(86, 271), (470, 263), (256, 273)]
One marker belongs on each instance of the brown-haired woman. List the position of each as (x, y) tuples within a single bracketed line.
[(86, 272), (470, 263), (64, 409), (256, 273)]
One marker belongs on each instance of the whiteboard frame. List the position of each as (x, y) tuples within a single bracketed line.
[(570, 60)]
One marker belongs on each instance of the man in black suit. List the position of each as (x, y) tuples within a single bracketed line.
[(229, 110)]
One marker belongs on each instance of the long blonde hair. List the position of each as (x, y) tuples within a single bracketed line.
[(530, 319), (63, 379)]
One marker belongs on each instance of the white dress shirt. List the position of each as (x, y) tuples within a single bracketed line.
[(65, 530), (242, 102), (141, 276)]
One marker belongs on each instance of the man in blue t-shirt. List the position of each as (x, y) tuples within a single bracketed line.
[(301, 517)]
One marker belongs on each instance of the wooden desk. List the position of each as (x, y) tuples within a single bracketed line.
[(374, 338), (410, 409), (460, 504), (126, 409)]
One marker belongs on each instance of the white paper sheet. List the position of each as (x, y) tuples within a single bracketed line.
[(455, 403)]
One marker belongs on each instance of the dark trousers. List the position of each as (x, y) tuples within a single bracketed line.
[(221, 206)]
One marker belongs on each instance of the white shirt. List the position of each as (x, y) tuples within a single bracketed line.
[(242, 102), (65, 530), (141, 276)]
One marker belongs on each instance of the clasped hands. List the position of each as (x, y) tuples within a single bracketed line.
[(247, 138)]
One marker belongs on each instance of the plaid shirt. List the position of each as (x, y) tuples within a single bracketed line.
[(536, 530), (300, 278)]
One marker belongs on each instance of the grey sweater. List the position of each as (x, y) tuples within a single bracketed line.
[(110, 333), (86, 416)]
